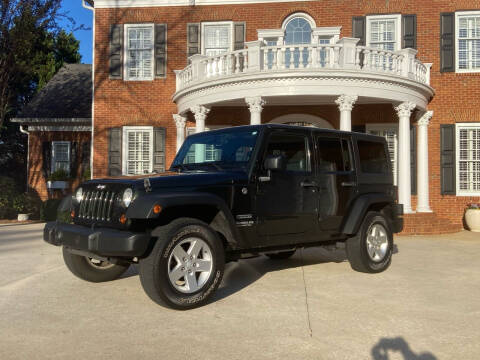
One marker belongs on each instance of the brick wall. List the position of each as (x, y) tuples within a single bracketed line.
[(119, 103), (36, 179)]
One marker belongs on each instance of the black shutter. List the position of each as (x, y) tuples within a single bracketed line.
[(447, 42), (359, 29), (115, 152), (73, 159), (46, 159), (158, 150), (359, 128), (193, 39), (239, 36), (447, 159), (413, 159), (116, 50), (409, 31), (160, 50)]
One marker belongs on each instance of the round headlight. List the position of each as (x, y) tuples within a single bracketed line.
[(127, 197), (79, 194)]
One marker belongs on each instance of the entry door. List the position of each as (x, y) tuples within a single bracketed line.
[(286, 204), (336, 180)]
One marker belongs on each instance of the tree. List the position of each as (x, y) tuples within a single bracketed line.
[(32, 49)]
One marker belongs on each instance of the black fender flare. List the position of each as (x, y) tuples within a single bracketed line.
[(142, 208), (358, 210)]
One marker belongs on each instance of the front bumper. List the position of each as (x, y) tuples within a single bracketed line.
[(100, 241)]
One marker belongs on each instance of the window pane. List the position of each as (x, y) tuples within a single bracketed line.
[(373, 158), (217, 39), (298, 31), (330, 154), (468, 42), (292, 148), (139, 54), (469, 159), (138, 152)]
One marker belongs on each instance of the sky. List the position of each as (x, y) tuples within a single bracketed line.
[(80, 16)]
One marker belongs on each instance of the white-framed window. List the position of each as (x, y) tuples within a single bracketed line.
[(217, 37), (390, 133), (61, 156), (137, 150), (468, 159), (384, 32), (467, 40), (139, 52)]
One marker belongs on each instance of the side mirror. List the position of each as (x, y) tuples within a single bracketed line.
[(274, 163)]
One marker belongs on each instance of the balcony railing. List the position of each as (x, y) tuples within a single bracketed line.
[(344, 55)]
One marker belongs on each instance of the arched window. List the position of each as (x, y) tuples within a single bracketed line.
[(298, 31)]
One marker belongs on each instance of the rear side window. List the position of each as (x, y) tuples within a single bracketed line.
[(333, 154), (373, 158)]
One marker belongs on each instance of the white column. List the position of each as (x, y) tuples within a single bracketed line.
[(404, 110), (422, 163), (200, 113), (345, 105), (255, 104), (180, 122)]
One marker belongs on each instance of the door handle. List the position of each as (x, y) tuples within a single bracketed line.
[(349, 183), (308, 184)]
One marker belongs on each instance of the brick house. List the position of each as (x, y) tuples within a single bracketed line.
[(407, 70)]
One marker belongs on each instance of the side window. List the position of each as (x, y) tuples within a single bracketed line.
[(333, 154), (61, 156), (373, 157), (293, 148)]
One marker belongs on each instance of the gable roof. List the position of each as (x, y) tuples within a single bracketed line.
[(68, 95)]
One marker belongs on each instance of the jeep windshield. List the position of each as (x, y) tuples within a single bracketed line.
[(217, 150)]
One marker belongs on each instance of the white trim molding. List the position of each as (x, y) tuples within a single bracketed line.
[(302, 15), (151, 3), (458, 15), (458, 128)]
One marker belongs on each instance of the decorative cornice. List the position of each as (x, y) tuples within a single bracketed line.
[(425, 119), (346, 102), (255, 104), (180, 121), (405, 109), (153, 3), (200, 112)]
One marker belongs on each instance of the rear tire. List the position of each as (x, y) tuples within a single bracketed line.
[(370, 250), (92, 270), (282, 255), (185, 266)]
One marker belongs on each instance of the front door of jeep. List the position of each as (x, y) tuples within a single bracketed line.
[(285, 199), (336, 180)]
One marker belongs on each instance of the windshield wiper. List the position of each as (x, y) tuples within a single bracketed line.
[(179, 167)]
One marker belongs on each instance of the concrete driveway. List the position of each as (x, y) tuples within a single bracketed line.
[(313, 306)]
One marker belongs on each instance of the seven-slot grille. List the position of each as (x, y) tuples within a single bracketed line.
[(97, 205)]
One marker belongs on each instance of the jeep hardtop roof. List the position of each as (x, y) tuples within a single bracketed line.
[(296, 127)]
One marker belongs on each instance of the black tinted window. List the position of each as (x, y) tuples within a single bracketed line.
[(292, 147), (330, 154), (373, 158)]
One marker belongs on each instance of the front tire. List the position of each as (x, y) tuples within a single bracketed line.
[(370, 250), (92, 270), (185, 266)]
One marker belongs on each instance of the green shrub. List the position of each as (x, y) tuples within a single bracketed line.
[(86, 175), (8, 191), (59, 175), (27, 203)]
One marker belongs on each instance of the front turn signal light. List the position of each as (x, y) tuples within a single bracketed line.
[(72, 214), (123, 219), (157, 209)]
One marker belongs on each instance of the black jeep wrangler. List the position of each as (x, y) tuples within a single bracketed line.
[(232, 194)]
